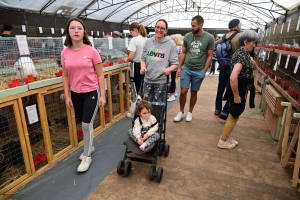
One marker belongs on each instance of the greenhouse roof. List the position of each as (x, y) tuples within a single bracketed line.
[(216, 13)]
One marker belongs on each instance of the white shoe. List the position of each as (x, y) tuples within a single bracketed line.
[(85, 164), (171, 98), (189, 117), (175, 94), (233, 141), (179, 117), (92, 151), (129, 115), (225, 144)]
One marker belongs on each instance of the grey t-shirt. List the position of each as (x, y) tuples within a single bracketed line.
[(136, 45)]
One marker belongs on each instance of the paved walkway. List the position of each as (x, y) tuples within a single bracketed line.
[(197, 169)]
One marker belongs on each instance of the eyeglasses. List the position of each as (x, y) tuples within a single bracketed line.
[(160, 28), (73, 28)]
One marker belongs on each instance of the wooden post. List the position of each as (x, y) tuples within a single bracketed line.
[(296, 179)]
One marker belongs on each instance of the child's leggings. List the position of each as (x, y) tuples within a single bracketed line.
[(86, 106)]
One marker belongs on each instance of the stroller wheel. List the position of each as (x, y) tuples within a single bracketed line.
[(152, 172), (160, 172), (167, 150), (120, 168), (127, 170)]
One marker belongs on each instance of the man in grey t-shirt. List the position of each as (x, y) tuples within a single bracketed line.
[(195, 59)]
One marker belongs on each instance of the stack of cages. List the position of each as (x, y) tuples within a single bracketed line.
[(112, 52), (280, 62), (14, 162)]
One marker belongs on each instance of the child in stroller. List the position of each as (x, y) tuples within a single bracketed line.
[(144, 131)]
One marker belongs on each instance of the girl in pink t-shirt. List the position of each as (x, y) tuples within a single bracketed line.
[(82, 79)]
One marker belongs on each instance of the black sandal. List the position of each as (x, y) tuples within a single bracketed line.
[(217, 112)]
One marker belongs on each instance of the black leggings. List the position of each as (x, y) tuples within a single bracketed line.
[(137, 77), (213, 67), (85, 105), (172, 88)]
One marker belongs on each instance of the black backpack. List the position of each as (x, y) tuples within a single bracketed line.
[(224, 51)]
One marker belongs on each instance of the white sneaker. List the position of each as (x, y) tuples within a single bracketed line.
[(171, 98), (92, 151), (85, 164), (189, 117), (225, 144), (233, 141), (175, 94), (179, 117)]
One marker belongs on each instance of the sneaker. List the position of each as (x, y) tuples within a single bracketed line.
[(175, 94), (223, 115), (129, 115), (179, 117), (189, 117), (92, 151), (233, 141), (85, 164), (171, 98), (225, 144)]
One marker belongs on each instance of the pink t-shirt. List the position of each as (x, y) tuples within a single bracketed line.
[(82, 76)]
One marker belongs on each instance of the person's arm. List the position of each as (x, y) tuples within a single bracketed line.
[(137, 127), (234, 82), (173, 60), (254, 65), (208, 59), (181, 61), (153, 129), (100, 75), (143, 60), (66, 86), (130, 56)]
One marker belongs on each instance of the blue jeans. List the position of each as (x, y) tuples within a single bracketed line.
[(223, 79)]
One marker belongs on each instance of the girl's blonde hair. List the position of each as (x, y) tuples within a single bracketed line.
[(141, 29), (179, 39)]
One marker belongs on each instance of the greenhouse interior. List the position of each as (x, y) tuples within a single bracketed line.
[(41, 136)]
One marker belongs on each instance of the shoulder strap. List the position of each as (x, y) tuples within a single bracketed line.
[(233, 34), (140, 120)]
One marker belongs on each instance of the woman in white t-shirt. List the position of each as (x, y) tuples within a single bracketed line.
[(135, 49)]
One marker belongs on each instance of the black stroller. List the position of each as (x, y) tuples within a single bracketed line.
[(157, 148)]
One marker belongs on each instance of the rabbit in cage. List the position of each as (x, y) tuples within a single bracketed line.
[(25, 67)]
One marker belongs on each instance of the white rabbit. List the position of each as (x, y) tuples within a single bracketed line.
[(25, 67)]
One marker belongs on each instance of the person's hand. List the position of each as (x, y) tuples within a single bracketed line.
[(145, 137), (69, 102), (125, 59), (237, 99), (102, 101), (139, 140), (143, 71), (166, 71), (178, 74)]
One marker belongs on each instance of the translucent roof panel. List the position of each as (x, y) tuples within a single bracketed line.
[(216, 13)]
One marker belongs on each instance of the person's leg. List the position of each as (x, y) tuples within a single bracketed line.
[(159, 93), (90, 111), (196, 81), (185, 83), (137, 76), (229, 125), (148, 92), (223, 79), (172, 86), (77, 101), (213, 66), (153, 138)]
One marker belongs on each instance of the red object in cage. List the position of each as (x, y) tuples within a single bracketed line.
[(36, 161), (10, 84), (79, 134), (30, 78), (106, 115), (42, 157), (278, 80)]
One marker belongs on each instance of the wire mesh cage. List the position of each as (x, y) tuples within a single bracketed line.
[(45, 54), (115, 93), (57, 121), (111, 53), (12, 164), (35, 131)]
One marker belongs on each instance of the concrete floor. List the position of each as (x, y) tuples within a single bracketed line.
[(197, 169)]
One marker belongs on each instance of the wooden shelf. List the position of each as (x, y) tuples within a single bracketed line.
[(295, 54), (285, 94)]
